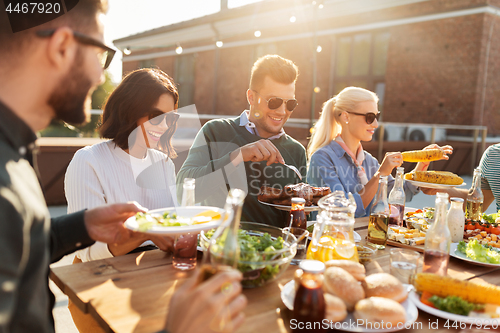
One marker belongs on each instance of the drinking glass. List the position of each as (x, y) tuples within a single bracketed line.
[(185, 251), (404, 264)]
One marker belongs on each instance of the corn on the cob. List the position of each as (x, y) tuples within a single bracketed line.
[(443, 286), (436, 177), (423, 155)]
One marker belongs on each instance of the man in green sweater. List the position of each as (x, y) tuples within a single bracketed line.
[(249, 151)]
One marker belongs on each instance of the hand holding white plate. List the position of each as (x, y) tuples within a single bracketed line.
[(185, 215)]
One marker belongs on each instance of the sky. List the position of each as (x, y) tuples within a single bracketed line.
[(129, 17)]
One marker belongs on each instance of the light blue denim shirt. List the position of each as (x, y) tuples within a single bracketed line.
[(332, 166)]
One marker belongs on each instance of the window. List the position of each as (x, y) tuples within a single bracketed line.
[(184, 77), (361, 60)]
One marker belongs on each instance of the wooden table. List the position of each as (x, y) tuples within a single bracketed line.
[(131, 293)]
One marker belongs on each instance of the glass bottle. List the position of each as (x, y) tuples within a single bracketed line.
[(188, 192), (379, 217), (397, 199), (456, 219), (475, 198), (309, 304), (438, 239), (297, 214), (223, 249), (185, 253)]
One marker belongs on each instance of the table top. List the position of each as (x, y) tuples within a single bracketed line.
[(131, 293)]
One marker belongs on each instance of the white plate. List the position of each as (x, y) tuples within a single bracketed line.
[(288, 296), (187, 212), (414, 298), (357, 237), (459, 255), (307, 209), (432, 185)]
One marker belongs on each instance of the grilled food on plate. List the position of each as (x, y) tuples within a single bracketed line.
[(284, 196), (423, 155), (444, 286), (436, 177)]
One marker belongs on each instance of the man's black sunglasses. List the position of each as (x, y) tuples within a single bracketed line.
[(156, 117), (105, 57), (275, 102), (369, 117)]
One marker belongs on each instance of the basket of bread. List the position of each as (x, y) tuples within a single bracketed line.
[(356, 302)]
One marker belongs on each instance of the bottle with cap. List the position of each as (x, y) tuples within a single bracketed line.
[(438, 239), (475, 198), (397, 198), (309, 305), (456, 219), (297, 214), (188, 192)]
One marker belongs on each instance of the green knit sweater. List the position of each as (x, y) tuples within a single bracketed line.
[(209, 163)]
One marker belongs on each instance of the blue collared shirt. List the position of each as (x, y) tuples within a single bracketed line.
[(332, 166)]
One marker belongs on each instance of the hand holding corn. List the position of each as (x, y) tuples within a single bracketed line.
[(430, 153)]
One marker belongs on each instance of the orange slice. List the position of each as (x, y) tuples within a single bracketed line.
[(213, 214)]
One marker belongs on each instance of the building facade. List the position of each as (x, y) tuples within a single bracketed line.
[(430, 61)]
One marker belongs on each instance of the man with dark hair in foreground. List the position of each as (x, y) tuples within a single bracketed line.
[(48, 72)]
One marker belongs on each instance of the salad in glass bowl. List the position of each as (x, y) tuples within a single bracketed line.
[(265, 252)]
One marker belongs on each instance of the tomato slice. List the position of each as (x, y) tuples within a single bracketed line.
[(495, 230), (470, 227), (487, 228), (425, 299)]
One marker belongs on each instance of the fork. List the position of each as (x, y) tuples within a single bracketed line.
[(294, 169)]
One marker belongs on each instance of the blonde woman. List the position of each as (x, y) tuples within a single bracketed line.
[(336, 156)]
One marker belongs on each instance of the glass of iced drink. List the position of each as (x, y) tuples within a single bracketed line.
[(404, 264)]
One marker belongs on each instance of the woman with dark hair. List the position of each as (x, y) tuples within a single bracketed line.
[(139, 118)]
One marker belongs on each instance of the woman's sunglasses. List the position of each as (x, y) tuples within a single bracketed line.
[(275, 102), (369, 117), (156, 117)]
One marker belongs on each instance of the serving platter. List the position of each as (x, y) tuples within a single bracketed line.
[(182, 212), (307, 209), (432, 185), (415, 299), (459, 255), (349, 323)]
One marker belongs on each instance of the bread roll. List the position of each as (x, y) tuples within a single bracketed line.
[(384, 285), (377, 309), (343, 285), (355, 269), (335, 308)]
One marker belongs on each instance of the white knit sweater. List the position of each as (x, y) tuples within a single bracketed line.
[(105, 174)]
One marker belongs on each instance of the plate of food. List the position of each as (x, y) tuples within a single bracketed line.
[(176, 220), (476, 253), (433, 185), (307, 209), (456, 300), (354, 306), (282, 198), (434, 179)]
